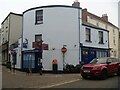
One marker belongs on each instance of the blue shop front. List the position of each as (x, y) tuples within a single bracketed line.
[(89, 53), (31, 59)]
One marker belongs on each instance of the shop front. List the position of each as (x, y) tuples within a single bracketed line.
[(31, 59), (89, 53)]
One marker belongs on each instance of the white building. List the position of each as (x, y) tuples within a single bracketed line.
[(55, 27), (94, 42)]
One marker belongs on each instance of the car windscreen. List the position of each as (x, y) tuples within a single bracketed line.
[(99, 61)]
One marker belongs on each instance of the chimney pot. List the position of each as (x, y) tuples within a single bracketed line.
[(105, 17), (76, 3)]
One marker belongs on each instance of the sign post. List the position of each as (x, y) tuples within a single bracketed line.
[(64, 50)]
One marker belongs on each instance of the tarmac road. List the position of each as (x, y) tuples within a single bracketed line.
[(113, 82)]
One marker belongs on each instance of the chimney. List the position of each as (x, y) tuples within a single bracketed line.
[(105, 17), (84, 15), (76, 3)]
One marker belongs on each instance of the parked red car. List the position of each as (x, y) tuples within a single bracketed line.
[(101, 67)]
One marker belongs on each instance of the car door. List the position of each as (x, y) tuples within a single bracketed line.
[(110, 65), (115, 64)]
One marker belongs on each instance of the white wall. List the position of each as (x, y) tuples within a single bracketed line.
[(15, 28), (94, 38), (60, 27)]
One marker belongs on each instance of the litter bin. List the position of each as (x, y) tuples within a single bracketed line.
[(55, 66)]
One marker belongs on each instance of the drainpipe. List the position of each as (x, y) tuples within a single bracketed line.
[(79, 31)]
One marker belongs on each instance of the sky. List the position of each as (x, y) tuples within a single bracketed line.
[(97, 7)]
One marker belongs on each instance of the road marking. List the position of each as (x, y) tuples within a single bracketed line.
[(60, 83)]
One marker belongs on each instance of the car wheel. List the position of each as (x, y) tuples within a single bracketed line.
[(104, 75), (118, 73)]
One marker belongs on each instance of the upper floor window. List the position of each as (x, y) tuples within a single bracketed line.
[(100, 37), (114, 40), (105, 26), (88, 35), (97, 23), (39, 17), (113, 31)]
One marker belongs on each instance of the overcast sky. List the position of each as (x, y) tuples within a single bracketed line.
[(98, 7)]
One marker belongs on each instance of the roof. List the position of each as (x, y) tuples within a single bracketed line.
[(10, 14), (102, 19), (93, 26), (51, 6)]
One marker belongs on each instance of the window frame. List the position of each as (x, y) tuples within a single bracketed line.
[(39, 17), (88, 35), (101, 37), (38, 37)]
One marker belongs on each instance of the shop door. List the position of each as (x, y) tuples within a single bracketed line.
[(92, 55), (37, 61), (85, 56)]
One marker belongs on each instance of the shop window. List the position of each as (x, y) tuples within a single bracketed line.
[(92, 53), (28, 60), (85, 52)]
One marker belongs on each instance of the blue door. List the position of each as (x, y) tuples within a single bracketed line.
[(87, 54), (92, 54)]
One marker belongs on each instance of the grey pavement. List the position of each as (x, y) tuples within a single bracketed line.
[(21, 80)]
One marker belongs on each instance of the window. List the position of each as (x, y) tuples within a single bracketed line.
[(38, 37), (115, 53), (28, 60), (88, 35), (105, 26), (114, 40), (39, 17), (100, 37), (97, 23), (85, 52), (113, 31)]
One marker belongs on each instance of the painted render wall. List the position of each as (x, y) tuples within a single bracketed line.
[(60, 27), (15, 28), (5, 30), (114, 47), (94, 38)]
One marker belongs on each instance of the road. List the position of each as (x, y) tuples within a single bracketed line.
[(53, 81), (112, 82)]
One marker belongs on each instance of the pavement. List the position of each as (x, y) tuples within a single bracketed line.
[(47, 80)]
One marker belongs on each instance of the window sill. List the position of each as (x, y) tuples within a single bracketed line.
[(38, 23), (100, 43), (88, 41)]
